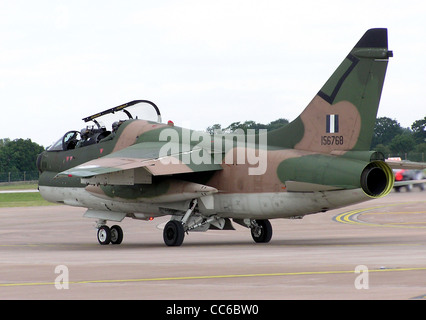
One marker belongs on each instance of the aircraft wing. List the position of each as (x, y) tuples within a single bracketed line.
[(409, 165), (140, 162)]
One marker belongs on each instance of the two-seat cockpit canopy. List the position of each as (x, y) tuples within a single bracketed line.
[(97, 131)]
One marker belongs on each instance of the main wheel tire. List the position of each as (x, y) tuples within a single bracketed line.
[(104, 235), (116, 234), (262, 233), (173, 233)]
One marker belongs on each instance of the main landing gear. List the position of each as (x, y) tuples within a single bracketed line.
[(173, 233), (261, 231), (174, 230)]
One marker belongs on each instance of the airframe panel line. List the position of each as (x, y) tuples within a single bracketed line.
[(212, 277)]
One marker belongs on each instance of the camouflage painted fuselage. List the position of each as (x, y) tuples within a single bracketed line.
[(318, 162)]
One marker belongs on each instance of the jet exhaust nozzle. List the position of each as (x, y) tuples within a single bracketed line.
[(377, 179)]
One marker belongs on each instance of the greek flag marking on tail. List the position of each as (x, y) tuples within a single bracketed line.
[(332, 123)]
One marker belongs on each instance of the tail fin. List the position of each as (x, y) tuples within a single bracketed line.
[(342, 114)]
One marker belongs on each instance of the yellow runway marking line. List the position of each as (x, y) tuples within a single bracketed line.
[(303, 273), (350, 217)]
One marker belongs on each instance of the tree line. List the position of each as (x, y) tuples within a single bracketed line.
[(392, 139), (389, 137), (18, 155)]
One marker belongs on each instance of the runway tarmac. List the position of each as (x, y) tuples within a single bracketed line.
[(52, 253)]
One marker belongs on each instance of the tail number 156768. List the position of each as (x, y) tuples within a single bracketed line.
[(331, 140)]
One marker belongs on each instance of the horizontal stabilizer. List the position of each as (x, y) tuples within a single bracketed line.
[(408, 182), (409, 165)]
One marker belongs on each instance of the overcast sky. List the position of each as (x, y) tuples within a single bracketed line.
[(202, 62)]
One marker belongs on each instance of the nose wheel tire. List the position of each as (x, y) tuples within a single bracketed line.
[(116, 234), (108, 235), (173, 233), (104, 235), (261, 231)]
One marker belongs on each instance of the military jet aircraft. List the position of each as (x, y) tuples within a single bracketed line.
[(144, 169)]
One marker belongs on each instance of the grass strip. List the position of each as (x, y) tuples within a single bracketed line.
[(23, 199)]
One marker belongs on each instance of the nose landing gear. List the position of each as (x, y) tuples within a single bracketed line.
[(113, 235)]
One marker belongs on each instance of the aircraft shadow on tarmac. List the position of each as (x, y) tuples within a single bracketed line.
[(313, 242)]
